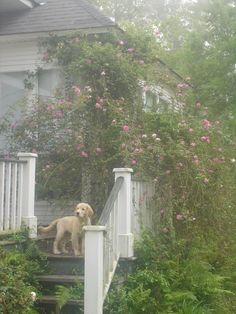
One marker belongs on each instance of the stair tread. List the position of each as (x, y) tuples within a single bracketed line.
[(61, 256), (53, 299), (60, 278)]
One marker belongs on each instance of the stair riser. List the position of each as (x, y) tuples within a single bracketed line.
[(67, 309), (66, 267), (50, 287)]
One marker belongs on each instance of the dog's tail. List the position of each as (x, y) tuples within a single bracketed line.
[(48, 228)]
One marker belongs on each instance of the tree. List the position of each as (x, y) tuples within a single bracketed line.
[(139, 11), (206, 53)]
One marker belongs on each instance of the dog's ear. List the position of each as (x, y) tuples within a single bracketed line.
[(90, 211), (76, 206)]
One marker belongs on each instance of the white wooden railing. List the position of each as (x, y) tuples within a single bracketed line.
[(17, 190), (107, 242)]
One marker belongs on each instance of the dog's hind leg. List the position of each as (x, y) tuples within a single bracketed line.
[(75, 243), (63, 246), (58, 238)]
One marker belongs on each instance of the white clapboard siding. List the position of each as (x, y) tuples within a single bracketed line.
[(47, 212), (27, 57)]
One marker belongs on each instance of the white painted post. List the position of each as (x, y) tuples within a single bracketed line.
[(28, 192), (93, 272), (126, 239)]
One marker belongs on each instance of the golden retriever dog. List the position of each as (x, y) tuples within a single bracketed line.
[(72, 225)]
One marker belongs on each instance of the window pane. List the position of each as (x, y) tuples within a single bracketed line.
[(12, 91), (50, 82)]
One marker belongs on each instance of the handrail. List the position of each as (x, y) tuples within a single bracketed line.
[(110, 202), (107, 241), (17, 161)]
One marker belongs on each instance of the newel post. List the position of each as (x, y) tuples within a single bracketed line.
[(126, 239), (28, 192), (93, 272)]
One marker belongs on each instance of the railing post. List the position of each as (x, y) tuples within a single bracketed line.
[(28, 192), (93, 272), (126, 238)]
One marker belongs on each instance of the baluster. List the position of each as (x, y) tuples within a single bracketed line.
[(2, 192), (13, 197), (19, 196), (7, 197)]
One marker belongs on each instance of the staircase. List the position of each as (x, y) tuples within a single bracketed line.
[(105, 244), (63, 270)]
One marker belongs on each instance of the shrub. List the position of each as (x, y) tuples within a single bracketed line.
[(171, 278), (17, 284)]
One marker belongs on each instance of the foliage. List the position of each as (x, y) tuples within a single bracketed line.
[(171, 278), (18, 281), (84, 127), (140, 12), (64, 294), (205, 51)]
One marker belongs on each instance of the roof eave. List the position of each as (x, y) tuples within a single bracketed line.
[(28, 3), (35, 35)]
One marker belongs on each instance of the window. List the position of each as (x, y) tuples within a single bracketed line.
[(151, 101), (49, 82), (13, 90)]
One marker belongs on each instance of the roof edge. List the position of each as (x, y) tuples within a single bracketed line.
[(36, 35), (30, 4)]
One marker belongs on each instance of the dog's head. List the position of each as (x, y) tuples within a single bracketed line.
[(83, 210)]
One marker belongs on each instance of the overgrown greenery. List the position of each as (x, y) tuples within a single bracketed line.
[(64, 294), (19, 288), (173, 277)]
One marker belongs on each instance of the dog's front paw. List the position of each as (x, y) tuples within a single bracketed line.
[(56, 252)]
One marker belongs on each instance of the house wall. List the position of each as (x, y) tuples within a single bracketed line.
[(19, 55), (45, 212)]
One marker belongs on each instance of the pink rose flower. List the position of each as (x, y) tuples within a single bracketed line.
[(98, 105), (130, 50), (206, 124), (125, 128), (76, 89), (84, 154), (179, 217), (205, 138)]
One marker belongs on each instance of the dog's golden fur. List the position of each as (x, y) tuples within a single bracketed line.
[(72, 225)]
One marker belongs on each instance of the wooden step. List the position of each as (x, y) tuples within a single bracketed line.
[(51, 299), (60, 278), (65, 264)]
